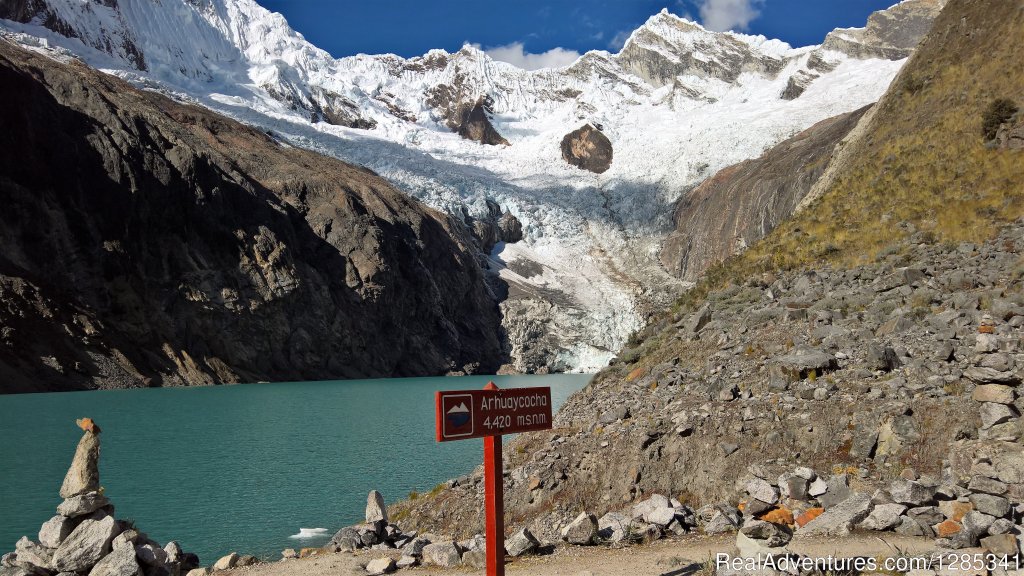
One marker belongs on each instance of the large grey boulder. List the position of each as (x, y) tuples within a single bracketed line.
[(762, 490), (522, 542), (910, 493), (151, 555), (759, 537), (841, 518), (84, 474), (86, 545), (838, 490), (55, 530), (226, 562), (995, 506), (884, 517), (581, 531), (443, 554), (120, 562), (376, 511), (613, 527), (82, 504), (378, 566), (649, 505)]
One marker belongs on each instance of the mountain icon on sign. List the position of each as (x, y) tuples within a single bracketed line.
[(458, 415)]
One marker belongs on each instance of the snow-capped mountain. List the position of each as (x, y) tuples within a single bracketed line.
[(677, 103)]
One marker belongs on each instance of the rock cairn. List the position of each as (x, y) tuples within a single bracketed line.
[(85, 538)]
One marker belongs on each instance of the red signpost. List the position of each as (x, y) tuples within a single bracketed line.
[(488, 414)]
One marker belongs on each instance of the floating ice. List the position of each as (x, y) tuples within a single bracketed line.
[(309, 533)]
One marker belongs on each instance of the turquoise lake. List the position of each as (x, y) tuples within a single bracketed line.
[(239, 468)]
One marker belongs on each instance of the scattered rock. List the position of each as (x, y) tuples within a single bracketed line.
[(520, 543), (840, 518), (378, 566), (443, 554), (226, 562), (581, 531)]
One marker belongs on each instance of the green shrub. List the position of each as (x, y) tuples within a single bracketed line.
[(999, 111)]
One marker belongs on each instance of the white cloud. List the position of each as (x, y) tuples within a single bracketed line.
[(721, 15), (515, 55), (619, 40)]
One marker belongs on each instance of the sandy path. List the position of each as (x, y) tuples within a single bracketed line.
[(674, 557)]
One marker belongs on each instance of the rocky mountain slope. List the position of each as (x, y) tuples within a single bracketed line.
[(146, 243), (676, 104), (750, 198)]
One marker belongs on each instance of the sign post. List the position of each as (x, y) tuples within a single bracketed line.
[(488, 414)]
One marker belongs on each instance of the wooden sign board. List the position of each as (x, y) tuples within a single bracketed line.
[(467, 414)]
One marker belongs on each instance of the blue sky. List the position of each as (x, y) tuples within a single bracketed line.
[(534, 33)]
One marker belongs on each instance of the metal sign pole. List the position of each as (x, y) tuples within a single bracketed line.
[(494, 495), (494, 502)]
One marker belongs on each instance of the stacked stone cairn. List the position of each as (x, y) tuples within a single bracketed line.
[(377, 533), (84, 538), (993, 372)]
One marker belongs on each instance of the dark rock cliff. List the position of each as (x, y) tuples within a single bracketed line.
[(148, 243), (742, 203)]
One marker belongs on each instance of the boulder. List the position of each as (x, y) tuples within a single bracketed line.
[(520, 543), (763, 490), (86, 545), (198, 572), (443, 554), (987, 486), (793, 486), (173, 551), (151, 555), (612, 527), (581, 531), (475, 559), (378, 566), (407, 562), (55, 530), (758, 537), (884, 517), (997, 393), (840, 518), (120, 562), (289, 554), (84, 474), (226, 562), (649, 505), (347, 540), (800, 363), (660, 516), (126, 539), (838, 490), (587, 148), (910, 492), (376, 511), (993, 414), (32, 553), (955, 510), (1001, 544), (82, 504), (995, 506), (719, 519)]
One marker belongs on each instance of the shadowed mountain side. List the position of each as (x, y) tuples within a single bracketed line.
[(742, 203), (149, 243)]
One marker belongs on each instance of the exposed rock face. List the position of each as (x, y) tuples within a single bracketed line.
[(742, 203), (892, 34), (587, 148), (176, 247), (475, 125)]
